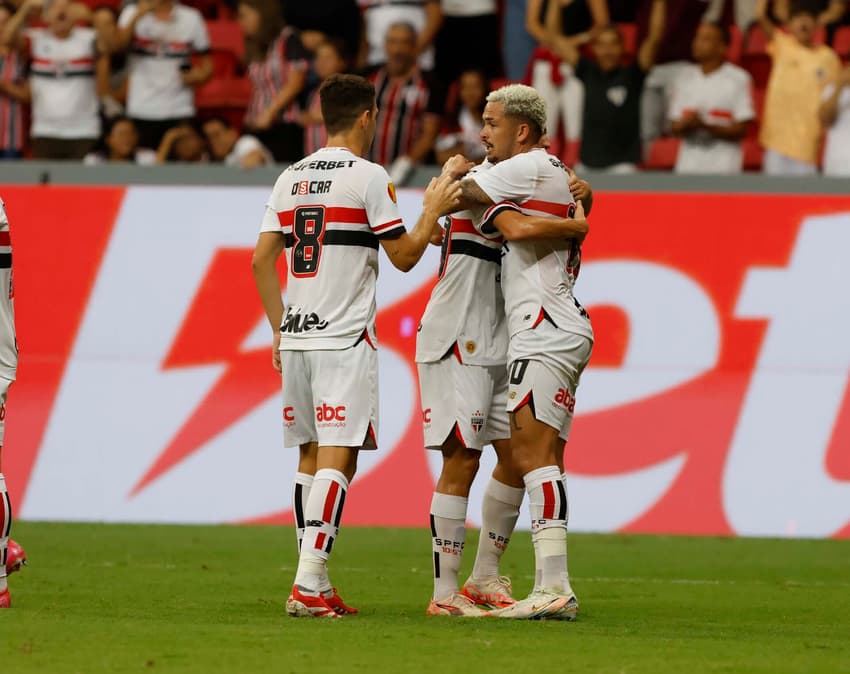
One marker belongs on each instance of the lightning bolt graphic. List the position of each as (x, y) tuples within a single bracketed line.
[(212, 332)]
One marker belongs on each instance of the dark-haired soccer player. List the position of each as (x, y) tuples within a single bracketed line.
[(331, 211)]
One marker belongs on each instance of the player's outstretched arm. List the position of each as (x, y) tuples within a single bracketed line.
[(441, 198), (269, 247), (514, 226)]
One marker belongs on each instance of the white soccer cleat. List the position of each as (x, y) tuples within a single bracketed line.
[(541, 605), (489, 592), (457, 605)]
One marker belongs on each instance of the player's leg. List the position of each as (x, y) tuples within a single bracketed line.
[(455, 398), (12, 556), (500, 506), (299, 431), (301, 485), (345, 400)]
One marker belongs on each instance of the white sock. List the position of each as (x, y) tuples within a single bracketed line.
[(300, 493), (499, 513), (548, 503), (322, 516), (5, 528), (566, 578), (448, 533)]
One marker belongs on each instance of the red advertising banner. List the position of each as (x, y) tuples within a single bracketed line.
[(716, 402)]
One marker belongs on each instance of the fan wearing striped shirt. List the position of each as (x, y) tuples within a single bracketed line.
[(63, 55)]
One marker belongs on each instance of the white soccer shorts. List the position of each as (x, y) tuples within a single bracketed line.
[(4, 392), (468, 400), (331, 397), (544, 371)]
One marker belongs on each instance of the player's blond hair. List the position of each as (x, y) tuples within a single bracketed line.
[(522, 101)]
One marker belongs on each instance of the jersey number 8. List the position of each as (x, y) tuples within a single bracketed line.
[(308, 228)]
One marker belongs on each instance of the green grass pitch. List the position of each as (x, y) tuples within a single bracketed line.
[(98, 598)]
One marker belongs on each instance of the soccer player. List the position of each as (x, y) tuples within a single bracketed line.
[(332, 210), (550, 336), (12, 556), (461, 356)]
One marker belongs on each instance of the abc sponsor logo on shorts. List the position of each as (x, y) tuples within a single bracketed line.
[(426, 416), (288, 417), (328, 416), (563, 398)]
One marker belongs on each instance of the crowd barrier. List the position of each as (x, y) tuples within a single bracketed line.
[(716, 402)]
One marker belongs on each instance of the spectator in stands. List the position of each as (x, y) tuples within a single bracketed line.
[(425, 16), (277, 66), (162, 36), (829, 13), (409, 106), (226, 145), (182, 143), (610, 138), (835, 115), (468, 39), (563, 26), (111, 67), (712, 107), (121, 144), (65, 120), (14, 92), (517, 42), (791, 129), (330, 59), (682, 19), (462, 128), (319, 22)]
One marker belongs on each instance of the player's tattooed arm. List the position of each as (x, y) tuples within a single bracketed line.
[(471, 195), (515, 226)]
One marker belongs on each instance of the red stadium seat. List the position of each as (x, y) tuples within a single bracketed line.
[(758, 104), (628, 31), (758, 65), (210, 9), (841, 42), (756, 42), (227, 36), (736, 44), (753, 154), (662, 154)]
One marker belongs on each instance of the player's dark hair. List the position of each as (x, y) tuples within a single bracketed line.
[(723, 31), (799, 7), (344, 98)]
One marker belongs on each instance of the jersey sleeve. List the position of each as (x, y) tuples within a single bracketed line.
[(382, 207), (487, 224), (200, 36), (510, 180), (127, 15)]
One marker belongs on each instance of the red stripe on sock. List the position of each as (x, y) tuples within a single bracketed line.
[(320, 541), (330, 502), (548, 501)]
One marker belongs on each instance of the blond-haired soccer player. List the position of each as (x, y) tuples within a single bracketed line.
[(550, 336)]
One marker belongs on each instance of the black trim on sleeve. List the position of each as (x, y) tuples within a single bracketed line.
[(488, 226), (393, 233)]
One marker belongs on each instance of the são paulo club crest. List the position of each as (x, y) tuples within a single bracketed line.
[(477, 421)]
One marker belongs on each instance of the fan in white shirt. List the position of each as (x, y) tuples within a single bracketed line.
[(835, 115), (712, 106), (226, 145)]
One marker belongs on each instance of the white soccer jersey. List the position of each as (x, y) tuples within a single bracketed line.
[(62, 81), (332, 207), (720, 98), (466, 310), (538, 277), (157, 52), (8, 345)]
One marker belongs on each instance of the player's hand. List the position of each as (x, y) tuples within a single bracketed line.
[(580, 217), (276, 351), (580, 189), (437, 235), (442, 196), (457, 166)]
